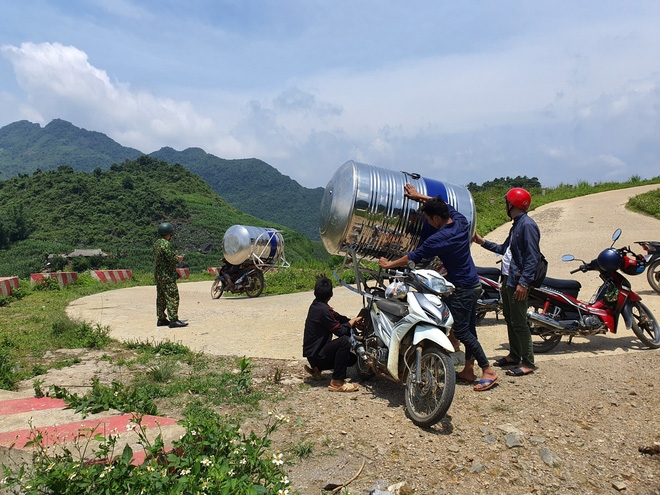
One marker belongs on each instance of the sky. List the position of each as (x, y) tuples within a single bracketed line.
[(457, 91)]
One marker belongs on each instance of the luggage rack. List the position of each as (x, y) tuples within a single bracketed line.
[(261, 259)]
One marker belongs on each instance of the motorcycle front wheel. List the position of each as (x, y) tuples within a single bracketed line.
[(429, 396), (255, 284), (217, 289), (653, 275), (645, 325)]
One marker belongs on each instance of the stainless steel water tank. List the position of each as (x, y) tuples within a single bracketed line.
[(365, 206), (262, 245)]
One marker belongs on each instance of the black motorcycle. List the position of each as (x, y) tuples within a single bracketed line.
[(490, 299), (245, 279), (652, 263)]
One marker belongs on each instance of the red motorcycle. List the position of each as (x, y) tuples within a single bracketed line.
[(652, 263), (555, 310)]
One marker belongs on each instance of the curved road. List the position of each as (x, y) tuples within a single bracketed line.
[(271, 327)]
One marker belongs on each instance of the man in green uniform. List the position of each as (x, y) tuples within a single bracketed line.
[(167, 292)]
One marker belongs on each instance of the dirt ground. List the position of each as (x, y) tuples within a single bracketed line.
[(576, 425)]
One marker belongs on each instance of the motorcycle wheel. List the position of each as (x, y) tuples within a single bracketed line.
[(481, 315), (428, 401), (645, 325), (364, 371), (217, 289), (653, 275), (542, 340), (255, 284)]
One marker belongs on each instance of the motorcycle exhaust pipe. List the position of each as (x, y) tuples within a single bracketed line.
[(545, 321)]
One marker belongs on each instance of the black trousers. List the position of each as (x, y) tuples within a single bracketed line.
[(336, 355)]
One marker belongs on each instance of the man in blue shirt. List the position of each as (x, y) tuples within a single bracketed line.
[(451, 243)]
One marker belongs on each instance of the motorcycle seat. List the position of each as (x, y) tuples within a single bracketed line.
[(393, 307), (571, 287), (489, 273)]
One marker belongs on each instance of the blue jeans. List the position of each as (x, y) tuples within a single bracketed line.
[(463, 306)]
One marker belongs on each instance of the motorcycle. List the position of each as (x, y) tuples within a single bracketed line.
[(249, 280), (652, 263), (490, 299), (404, 337), (555, 309)]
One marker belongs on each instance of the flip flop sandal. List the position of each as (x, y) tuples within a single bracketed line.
[(346, 387), (316, 374), (485, 384), (505, 362), (462, 381), (518, 372)]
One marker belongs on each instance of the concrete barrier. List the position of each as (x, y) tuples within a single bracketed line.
[(7, 284), (214, 270), (111, 276), (20, 418), (63, 278), (183, 272)]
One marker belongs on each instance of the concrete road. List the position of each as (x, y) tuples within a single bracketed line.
[(271, 327)]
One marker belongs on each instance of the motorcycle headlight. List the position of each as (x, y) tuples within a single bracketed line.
[(434, 282)]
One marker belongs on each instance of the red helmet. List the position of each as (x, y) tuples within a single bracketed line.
[(519, 198)]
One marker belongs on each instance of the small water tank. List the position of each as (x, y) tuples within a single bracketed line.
[(364, 206), (261, 245)]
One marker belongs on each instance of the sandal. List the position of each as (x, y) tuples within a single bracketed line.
[(485, 384), (505, 362), (346, 387), (316, 374)]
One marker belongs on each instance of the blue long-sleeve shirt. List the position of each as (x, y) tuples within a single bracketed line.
[(451, 243)]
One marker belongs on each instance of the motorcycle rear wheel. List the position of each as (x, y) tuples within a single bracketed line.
[(542, 340), (255, 284), (427, 402), (217, 289), (481, 315), (653, 275), (364, 370), (645, 325)]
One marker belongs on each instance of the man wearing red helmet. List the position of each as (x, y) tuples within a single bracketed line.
[(520, 256)]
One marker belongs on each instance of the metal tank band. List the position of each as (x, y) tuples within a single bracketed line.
[(365, 207), (263, 246)]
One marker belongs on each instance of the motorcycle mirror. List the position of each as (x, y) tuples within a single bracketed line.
[(411, 264), (616, 235), (568, 257)]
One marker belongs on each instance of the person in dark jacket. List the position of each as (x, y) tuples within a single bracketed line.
[(323, 352), (167, 292), (521, 253)]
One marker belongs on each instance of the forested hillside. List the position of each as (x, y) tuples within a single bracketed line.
[(255, 187), (250, 185), (117, 211)]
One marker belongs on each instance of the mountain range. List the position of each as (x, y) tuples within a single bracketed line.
[(249, 184)]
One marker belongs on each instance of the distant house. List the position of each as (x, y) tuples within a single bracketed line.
[(87, 253)]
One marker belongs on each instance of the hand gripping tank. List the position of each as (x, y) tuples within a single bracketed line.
[(262, 245), (364, 206)]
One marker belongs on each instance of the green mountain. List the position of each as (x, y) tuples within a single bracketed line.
[(117, 211), (254, 187), (250, 185)]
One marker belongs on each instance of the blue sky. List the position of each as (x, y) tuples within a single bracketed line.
[(460, 91)]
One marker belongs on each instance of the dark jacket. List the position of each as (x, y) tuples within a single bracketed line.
[(524, 238), (321, 323)]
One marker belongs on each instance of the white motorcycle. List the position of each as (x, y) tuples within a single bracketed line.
[(404, 338)]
